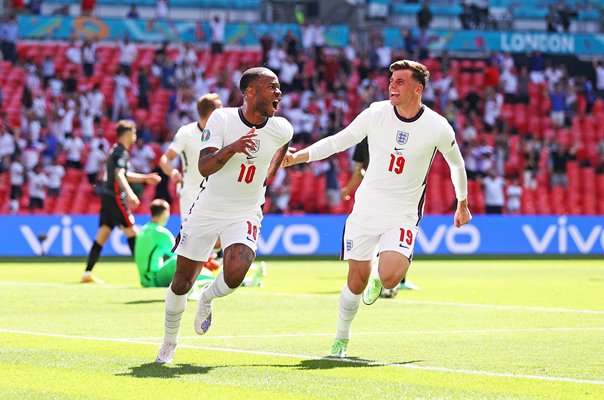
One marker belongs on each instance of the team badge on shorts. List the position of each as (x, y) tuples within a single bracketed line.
[(402, 137), (349, 245), (205, 135)]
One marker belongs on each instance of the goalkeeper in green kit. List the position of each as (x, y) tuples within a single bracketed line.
[(153, 250), (154, 258)]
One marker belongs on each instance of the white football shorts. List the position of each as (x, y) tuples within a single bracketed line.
[(198, 235), (364, 237)]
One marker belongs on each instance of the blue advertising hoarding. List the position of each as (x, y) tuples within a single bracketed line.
[(141, 30), (321, 235)]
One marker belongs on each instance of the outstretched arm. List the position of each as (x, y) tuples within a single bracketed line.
[(460, 183)]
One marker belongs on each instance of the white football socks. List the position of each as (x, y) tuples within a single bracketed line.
[(349, 305), (218, 288), (175, 307)]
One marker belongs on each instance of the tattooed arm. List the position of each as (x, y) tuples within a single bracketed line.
[(276, 161)]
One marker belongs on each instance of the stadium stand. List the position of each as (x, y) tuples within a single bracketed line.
[(334, 91)]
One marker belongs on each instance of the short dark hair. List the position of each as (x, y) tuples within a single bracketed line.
[(419, 72), (251, 75), (158, 207), (206, 104), (124, 126)]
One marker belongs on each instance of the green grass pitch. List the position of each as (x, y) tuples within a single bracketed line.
[(504, 329)]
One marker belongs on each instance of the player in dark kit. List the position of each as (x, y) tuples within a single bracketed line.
[(117, 197)]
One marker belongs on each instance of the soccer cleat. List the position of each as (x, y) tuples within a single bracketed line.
[(338, 348), (408, 285), (372, 291), (91, 279), (203, 317), (166, 353)]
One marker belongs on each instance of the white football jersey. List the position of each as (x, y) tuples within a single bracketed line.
[(187, 143), (239, 187), (401, 152)]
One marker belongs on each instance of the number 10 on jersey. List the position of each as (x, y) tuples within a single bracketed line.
[(246, 174)]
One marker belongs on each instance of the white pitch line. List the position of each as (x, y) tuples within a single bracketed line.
[(331, 297), (63, 284), (310, 357)]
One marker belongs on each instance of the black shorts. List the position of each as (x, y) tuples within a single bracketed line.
[(115, 211), (16, 192), (36, 202)]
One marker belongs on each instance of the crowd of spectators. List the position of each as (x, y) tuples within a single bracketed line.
[(324, 89)]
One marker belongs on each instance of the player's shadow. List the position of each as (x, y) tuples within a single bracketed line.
[(348, 362), (150, 301), (154, 370)]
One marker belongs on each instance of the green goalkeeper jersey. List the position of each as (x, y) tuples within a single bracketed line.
[(153, 243)]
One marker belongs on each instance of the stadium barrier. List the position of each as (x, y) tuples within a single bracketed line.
[(141, 30), (321, 235)]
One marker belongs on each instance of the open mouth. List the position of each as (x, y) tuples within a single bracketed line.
[(275, 104), (394, 95)]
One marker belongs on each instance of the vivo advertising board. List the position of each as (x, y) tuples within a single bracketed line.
[(321, 235)]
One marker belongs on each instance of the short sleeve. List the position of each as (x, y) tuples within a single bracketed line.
[(122, 159), (446, 139), (214, 133), (178, 142)]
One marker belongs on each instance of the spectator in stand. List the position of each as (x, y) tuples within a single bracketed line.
[(73, 148), (409, 43), (9, 35), (51, 147), (266, 43), (423, 41), (133, 12), (31, 154), (38, 182), (491, 75), (55, 173), (217, 27), (559, 158), (468, 132), (558, 102), (424, 15), (74, 54), (71, 83), (144, 87), (95, 162), (17, 180), (86, 123), (493, 193), (120, 96), (276, 59), (289, 70), (96, 100), (509, 82), (472, 101), (128, 53), (162, 10), (553, 74), (88, 7), (88, 58), (492, 110), (531, 163), (536, 67), (143, 157), (514, 194), (599, 71), (586, 89), (522, 94), (48, 70), (600, 149), (7, 142)]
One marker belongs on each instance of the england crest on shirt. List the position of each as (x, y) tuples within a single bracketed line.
[(256, 146), (402, 137)]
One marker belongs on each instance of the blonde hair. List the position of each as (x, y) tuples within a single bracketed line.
[(207, 103), (419, 71)]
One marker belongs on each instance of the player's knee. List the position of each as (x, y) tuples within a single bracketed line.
[(391, 280), (181, 285)]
